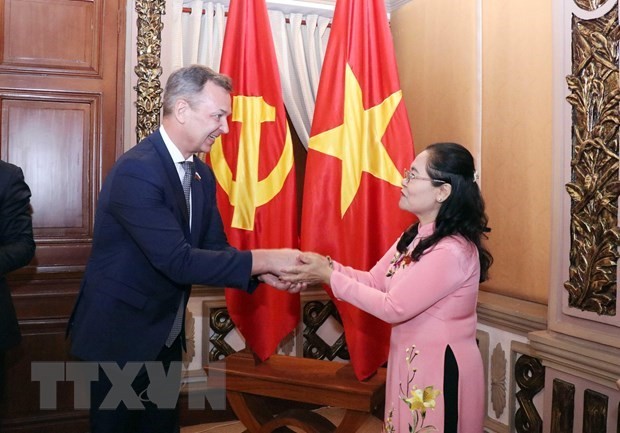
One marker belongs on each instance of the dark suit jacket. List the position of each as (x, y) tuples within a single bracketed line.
[(16, 244), (144, 258)]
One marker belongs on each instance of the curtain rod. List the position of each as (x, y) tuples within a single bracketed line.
[(187, 10)]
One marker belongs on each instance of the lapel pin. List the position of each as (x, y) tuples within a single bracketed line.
[(197, 176)]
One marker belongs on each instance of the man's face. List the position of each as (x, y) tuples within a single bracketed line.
[(207, 118)]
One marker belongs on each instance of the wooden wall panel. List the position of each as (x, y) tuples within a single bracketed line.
[(562, 407), (75, 23), (61, 87), (52, 141), (43, 300), (575, 403), (41, 342)]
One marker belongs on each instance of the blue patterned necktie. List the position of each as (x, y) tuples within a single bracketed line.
[(188, 166)]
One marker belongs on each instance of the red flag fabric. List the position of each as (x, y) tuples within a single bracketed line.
[(360, 142), (254, 167)]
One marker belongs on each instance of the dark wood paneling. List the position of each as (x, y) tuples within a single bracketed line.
[(594, 411), (44, 299), (61, 76), (76, 24), (42, 341), (562, 407), (59, 255), (50, 137)]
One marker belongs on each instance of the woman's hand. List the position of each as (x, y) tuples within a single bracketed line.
[(311, 268)]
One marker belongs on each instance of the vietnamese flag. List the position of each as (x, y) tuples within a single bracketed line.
[(360, 142), (254, 168)]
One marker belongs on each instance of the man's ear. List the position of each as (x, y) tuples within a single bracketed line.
[(181, 107)]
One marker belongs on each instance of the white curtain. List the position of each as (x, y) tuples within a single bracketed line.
[(300, 49), (192, 37), (300, 43)]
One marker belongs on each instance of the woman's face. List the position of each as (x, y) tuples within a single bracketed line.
[(418, 195)]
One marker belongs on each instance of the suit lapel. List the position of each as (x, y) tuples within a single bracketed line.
[(173, 178), (197, 205)]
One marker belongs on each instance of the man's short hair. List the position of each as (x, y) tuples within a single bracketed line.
[(188, 82)]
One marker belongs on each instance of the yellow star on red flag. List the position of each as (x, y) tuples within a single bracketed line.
[(357, 141)]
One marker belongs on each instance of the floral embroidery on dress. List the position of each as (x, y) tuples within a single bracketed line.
[(418, 400), (400, 261)]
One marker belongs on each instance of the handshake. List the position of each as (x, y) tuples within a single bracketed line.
[(291, 270)]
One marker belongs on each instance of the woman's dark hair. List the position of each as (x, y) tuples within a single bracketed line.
[(462, 213)]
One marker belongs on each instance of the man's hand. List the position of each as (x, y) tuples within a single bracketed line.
[(277, 283), (273, 261)]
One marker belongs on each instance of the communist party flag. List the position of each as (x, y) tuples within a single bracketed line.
[(360, 141), (254, 168)]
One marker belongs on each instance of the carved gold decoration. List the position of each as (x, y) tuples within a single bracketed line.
[(287, 345), (595, 411), (595, 186), (530, 376), (498, 380), (315, 314), (221, 324), (590, 5), (148, 68), (562, 407), (190, 339)]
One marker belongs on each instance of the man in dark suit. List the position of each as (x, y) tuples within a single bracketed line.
[(16, 250), (148, 249)]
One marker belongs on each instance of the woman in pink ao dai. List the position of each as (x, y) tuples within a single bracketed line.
[(426, 287)]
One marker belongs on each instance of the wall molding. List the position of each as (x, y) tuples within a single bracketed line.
[(511, 314), (585, 359)]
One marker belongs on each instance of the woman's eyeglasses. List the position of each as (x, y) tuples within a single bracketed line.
[(409, 175)]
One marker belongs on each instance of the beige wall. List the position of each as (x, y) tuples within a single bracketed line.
[(479, 72), (438, 70)]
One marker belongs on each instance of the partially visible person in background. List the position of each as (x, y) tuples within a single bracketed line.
[(426, 286), (16, 250)]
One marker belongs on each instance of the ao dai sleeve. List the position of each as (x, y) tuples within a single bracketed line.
[(373, 279), (411, 290)]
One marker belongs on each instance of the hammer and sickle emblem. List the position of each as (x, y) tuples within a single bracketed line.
[(247, 192)]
